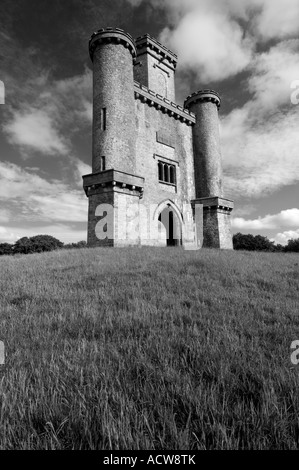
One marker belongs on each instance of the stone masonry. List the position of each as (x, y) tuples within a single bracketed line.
[(156, 165)]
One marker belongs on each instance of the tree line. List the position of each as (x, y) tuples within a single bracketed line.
[(37, 244), (259, 243), (42, 243)]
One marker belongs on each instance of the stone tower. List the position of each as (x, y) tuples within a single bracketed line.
[(208, 169), (155, 164)]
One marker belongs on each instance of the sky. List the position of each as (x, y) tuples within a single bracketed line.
[(247, 50)]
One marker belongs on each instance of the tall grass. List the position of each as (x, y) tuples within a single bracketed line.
[(149, 349)]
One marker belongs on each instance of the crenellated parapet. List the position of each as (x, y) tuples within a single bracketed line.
[(166, 106), (113, 180), (113, 36), (215, 203), (155, 66), (203, 96), (147, 44)]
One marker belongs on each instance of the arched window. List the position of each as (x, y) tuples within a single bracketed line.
[(162, 85)]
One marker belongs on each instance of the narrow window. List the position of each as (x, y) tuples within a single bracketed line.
[(166, 173), (103, 164), (160, 169), (103, 119), (172, 175)]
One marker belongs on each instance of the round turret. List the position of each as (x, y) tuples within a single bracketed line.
[(206, 140), (112, 52)]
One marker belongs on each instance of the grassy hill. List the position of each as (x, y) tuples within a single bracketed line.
[(149, 349)]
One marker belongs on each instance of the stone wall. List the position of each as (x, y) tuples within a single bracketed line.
[(149, 121)]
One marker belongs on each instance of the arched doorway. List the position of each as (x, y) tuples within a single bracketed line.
[(170, 224)]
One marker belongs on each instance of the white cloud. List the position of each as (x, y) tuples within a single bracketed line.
[(37, 199), (260, 141), (272, 74), (81, 169), (284, 237), (262, 157), (217, 38), (209, 43), (58, 109), (86, 112), (35, 129), (276, 18), (7, 236), (285, 219)]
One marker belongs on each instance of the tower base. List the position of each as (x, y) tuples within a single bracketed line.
[(118, 216), (216, 222), (113, 213)]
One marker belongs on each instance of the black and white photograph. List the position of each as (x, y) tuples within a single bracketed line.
[(149, 228)]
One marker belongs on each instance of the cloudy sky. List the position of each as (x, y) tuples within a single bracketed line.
[(248, 50)]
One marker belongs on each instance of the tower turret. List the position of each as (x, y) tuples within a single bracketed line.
[(206, 142), (112, 186), (114, 141), (208, 169), (155, 66)]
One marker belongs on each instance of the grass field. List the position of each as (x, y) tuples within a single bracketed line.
[(149, 349)]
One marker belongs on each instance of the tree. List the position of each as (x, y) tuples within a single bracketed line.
[(81, 244), (6, 249), (243, 242), (23, 246), (37, 244), (42, 243), (293, 245), (252, 243)]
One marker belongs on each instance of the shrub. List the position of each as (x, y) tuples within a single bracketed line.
[(252, 243), (81, 244), (37, 244)]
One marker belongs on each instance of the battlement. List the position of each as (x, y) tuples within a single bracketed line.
[(111, 35), (150, 45), (155, 66), (203, 95), (95, 182), (218, 203), (166, 106)]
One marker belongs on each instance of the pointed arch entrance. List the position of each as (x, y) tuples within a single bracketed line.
[(170, 223)]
